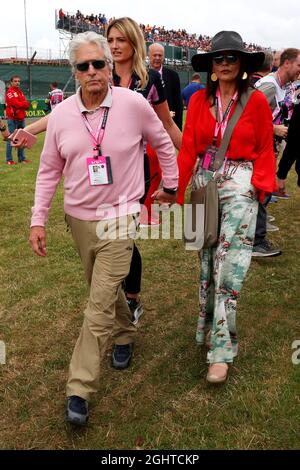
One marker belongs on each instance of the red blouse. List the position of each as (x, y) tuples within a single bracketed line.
[(252, 139)]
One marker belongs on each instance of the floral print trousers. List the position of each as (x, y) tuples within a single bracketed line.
[(224, 267)]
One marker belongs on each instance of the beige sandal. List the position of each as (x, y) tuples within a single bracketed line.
[(217, 373)]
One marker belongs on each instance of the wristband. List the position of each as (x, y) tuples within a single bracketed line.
[(171, 191)]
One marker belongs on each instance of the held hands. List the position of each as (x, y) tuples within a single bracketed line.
[(164, 198), (37, 240)]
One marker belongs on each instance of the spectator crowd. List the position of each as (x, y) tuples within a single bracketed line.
[(78, 23)]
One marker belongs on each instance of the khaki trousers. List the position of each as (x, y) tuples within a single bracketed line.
[(106, 263)]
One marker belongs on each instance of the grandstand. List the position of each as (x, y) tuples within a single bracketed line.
[(176, 43), (48, 65)]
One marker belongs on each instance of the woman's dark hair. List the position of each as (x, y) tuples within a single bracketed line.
[(242, 85)]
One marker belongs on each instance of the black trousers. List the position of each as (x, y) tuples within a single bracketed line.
[(291, 152), (134, 278), (261, 223)]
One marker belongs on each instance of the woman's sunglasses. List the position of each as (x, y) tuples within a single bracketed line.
[(230, 59), (97, 64)]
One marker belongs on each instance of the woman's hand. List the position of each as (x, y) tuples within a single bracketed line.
[(22, 143)]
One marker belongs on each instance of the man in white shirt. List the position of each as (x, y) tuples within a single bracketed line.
[(56, 95)]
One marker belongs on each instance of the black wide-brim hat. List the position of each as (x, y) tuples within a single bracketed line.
[(227, 41)]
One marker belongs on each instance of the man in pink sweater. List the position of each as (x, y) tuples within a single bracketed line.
[(95, 141)]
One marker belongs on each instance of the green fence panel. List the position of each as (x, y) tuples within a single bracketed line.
[(177, 53), (169, 51), (37, 109), (191, 52), (41, 77)]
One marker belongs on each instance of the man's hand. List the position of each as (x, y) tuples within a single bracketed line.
[(164, 198), (281, 185), (37, 240), (280, 130)]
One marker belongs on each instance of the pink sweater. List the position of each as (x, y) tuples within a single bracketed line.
[(68, 144)]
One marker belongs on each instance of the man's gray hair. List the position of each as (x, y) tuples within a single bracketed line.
[(87, 38), (268, 61), (155, 44)]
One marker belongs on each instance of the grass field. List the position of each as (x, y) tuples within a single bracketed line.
[(162, 401)]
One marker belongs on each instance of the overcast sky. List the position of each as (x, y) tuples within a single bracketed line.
[(270, 23)]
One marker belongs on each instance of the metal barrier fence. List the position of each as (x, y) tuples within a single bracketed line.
[(17, 52)]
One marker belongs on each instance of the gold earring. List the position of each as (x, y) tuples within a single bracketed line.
[(245, 76), (213, 77)]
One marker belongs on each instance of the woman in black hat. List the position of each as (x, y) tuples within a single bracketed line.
[(247, 173)]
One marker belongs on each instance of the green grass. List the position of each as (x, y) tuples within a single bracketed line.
[(162, 401)]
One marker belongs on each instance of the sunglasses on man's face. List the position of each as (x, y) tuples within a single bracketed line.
[(97, 64), (230, 59)]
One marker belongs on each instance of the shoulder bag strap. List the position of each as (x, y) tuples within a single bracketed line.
[(230, 127)]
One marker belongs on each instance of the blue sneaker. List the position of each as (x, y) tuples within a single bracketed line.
[(265, 249), (77, 411), (280, 195), (121, 355)]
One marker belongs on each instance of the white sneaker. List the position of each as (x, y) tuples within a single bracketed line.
[(153, 224), (272, 228)]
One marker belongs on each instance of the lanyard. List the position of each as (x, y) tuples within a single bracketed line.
[(97, 136), (222, 119)]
